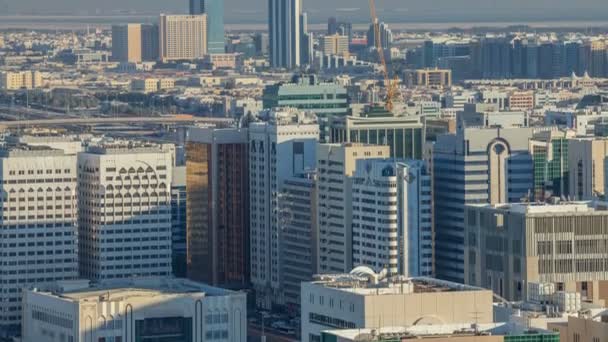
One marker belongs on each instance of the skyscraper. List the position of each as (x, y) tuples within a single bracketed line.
[(475, 166), (284, 26), (280, 147), (183, 37), (124, 212), (392, 217), (336, 164), (38, 224), (127, 43), (215, 22), (218, 206)]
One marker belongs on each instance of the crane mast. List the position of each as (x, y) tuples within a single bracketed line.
[(391, 86)]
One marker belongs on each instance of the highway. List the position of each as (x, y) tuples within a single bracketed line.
[(116, 120)]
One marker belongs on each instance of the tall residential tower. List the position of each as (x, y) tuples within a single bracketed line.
[(215, 22)]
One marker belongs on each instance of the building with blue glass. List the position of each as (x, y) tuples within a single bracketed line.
[(215, 22)]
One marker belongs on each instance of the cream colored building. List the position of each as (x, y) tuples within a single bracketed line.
[(335, 45), (136, 309), (362, 299), (509, 246), (152, 85), (127, 43), (582, 329), (183, 37), (586, 167), (10, 80), (336, 164)]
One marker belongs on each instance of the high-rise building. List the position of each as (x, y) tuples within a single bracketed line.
[(284, 25), (392, 217), (127, 43), (404, 135), (38, 224), (332, 26), (598, 62), (306, 41), (149, 42), (124, 210), (281, 146), (299, 234), (335, 45), (336, 166), (475, 166), (218, 206), (508, 246), (585, 167), (178, 221), (386, 36), (549, 151), (182, 37), (214, 9)]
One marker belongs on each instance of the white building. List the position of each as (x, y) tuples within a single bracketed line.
[(364, 299), (392, 217), (138, 309), (38, 225), (281, 146), (124, 210), (336, 165)]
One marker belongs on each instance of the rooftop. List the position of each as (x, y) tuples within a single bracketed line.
[(83, 290), (435, 331), (552, 207), (362, 280)]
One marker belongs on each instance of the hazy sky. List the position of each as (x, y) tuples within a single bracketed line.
[(356, 10)]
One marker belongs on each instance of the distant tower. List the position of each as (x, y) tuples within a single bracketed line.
[(284, 18), (215, 22)]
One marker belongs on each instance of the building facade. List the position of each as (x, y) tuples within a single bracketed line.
[(214, 9), (335, 45), (363, 299), (474, 166), (299, 235), (10, 80), (392, 217), (404, 135), (178, 222), (39, 226), (124, 210), (508, 246), (182, 37), (218, 206), (336, 165), (585, 167), (137, 309), (127, 43), (285, 36), (280, 146)]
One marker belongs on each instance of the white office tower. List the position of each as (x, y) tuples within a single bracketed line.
[(284, 24), (125, 210), (392, 217), (336, 165), (280, 146), (38, 224)]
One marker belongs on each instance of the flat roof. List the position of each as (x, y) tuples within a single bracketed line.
[(363, 285), (81, 290), (434, 331), (564, 208)]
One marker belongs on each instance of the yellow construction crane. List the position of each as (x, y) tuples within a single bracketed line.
[(391, 86)]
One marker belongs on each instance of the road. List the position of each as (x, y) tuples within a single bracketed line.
[(119, 120)]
